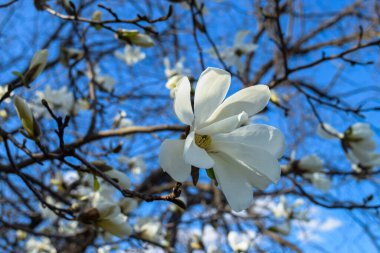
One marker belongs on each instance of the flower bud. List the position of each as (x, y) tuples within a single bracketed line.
[(37, 65), (134, 37), (27, 119)]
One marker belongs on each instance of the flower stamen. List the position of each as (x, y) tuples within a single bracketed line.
[(203, 141)]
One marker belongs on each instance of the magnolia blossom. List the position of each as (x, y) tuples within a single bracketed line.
[(175, 74), (61, 100), (310, 163), (319, 180), (284, 210), (241, 157), (131, 56), (232, 55), (37, 246), (357, 143), (121, 120), (239, 242), (313, 166), (110, 218), (149, 229)]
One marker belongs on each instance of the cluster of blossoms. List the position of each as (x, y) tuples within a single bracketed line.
[(357, 142), (239, 156), (175, 74), (232, 56)]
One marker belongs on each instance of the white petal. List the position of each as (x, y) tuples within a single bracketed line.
[(364, 156), (224, 126), (364, 144), (361, 130), (233, 183), (250, 100), (256, 158), (182, 102), (258, 135), (195, 155), (119, 177), (211, 89), (116, 225), (311, 163), (240, 36), (171, 160), (326, 131)]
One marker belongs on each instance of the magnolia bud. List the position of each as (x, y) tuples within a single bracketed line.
[(37, 65), (134, 37), (27, 119)]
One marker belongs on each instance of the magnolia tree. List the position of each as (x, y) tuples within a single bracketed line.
[(189, 126)]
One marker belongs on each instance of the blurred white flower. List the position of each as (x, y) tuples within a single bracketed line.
[(311, 163), (148, 229), (357, 142), (134, 37), (127, 205), (131, 55), (105, 82), (61, 100), (121, 120), (232, 56), (34, 245), (288, 211), (319, 180), (111, 219), (241, 157), (239, 242), (175, 74)]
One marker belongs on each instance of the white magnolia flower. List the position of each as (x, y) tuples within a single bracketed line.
[(285, 210), (241, 157), (175, 74), (105, 82), (121, 120), (357, 143), (119, 177), (37, 246), (127, 205), (232, 56), (61, 100), (131, 55), (148, 229), (111, 219), (319, 180), (239, 242), (311, 163)]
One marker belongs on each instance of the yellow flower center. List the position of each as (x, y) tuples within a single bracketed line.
[(203, 141)]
